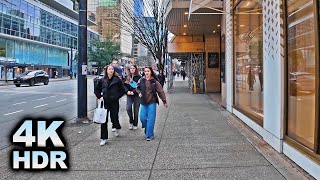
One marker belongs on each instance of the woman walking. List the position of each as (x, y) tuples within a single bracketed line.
[(149, 88), (132, 96), (162, 78), (111, 89)]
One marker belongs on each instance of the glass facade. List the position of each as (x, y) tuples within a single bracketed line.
[(301, 54), (248, 48), (24, 20), (28, 53)]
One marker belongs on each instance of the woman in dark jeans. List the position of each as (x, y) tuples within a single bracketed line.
[(111, 89), (162, 78), (132, 96)]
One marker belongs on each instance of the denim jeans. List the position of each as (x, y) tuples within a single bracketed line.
[(148, 118), (135, 101)]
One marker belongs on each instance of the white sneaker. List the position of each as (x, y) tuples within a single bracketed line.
[(135, 127), (116, 133), (149, 139), (103, 142), (114, 129), (131, 126)]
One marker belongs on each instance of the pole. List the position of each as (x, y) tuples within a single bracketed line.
[(82, 49)]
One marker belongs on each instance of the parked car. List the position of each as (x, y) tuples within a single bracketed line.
[(31, 78), (301, 83)]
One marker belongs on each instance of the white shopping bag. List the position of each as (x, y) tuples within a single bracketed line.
[(100, 114)]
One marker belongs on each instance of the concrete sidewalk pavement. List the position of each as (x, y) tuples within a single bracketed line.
[(195, 139)]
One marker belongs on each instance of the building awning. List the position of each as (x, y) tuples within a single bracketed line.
[(197, 17)]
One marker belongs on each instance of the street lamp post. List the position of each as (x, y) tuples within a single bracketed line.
[(82, 62)]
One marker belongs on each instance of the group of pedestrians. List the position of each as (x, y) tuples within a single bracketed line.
[(142, 98)]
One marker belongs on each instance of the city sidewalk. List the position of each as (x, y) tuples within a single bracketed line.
[(3, 83), (195, 139)]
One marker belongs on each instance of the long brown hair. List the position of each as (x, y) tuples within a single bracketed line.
[(136, 73), (153, 74), (106, 77)]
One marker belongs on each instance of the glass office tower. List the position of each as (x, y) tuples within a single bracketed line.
[(34, 35)]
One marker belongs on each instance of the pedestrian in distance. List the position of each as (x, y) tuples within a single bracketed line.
[(183, 73), (111, 89), (174, 73), (132, 96), (162, 78), (115, 64), (75, 75), (149, 88)]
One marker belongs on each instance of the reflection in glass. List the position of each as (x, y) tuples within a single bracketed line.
[(2, 48), (24, 10), (10, 49), (22, 19), (301, 71), (249, 57)]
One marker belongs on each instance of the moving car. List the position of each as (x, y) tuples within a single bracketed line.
[(31, 78)]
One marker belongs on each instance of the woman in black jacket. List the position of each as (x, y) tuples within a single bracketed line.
[(132, 96), (111, 89), (162, 78)]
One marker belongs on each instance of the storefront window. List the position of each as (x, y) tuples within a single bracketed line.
[(301, 71), (249, 58)]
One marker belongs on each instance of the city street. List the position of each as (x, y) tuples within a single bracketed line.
[(56, 99)]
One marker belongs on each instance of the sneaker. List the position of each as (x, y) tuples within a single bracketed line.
[(131, 126), (103, 142), (116, 133), (135, 127), (149, 139), (114, 129)]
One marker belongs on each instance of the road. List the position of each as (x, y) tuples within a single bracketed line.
[(56, 99)]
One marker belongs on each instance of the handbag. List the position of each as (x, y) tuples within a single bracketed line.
[(100, 113)]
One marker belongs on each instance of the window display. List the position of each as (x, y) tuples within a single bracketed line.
[(249, 58)]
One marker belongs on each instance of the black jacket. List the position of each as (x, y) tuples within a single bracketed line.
[(112, 92), (162, 79), (127, 87)]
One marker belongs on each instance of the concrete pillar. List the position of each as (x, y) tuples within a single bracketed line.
[(273, 73)]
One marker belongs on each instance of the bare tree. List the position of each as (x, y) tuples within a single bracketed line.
[(145, 20)]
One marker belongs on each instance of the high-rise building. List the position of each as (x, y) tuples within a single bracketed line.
[(139, 51), (108, 15), (38, 35)]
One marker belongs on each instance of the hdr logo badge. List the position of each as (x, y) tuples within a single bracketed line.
[(41, 145)]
